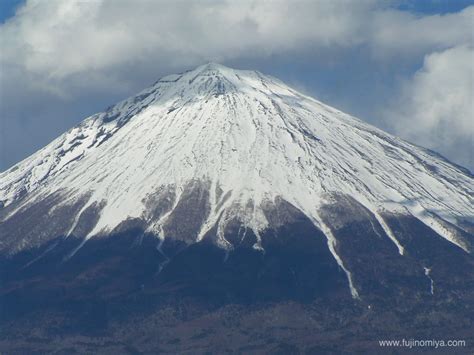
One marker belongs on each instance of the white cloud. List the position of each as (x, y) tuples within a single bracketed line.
[(436, 107), (59, 38)]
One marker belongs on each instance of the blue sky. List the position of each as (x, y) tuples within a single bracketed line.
[(404, 66), (8, 8), (430, 7)]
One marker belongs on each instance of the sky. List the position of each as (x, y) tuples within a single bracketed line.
[(403, 66)]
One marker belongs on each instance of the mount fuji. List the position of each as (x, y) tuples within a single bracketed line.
[(227, 187)]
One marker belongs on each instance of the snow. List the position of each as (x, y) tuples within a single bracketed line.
[(428, 275), (249, 134), (332, 242)]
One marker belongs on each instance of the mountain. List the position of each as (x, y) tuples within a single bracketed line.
[(227, 187)]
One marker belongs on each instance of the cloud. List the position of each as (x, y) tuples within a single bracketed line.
[(77, 53), (397, 33), (60, 38), (436, 107)]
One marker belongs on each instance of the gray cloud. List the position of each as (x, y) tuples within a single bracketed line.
[(397, 33), (62, 60)]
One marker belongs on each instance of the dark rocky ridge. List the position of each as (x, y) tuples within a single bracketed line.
[(202, 293)]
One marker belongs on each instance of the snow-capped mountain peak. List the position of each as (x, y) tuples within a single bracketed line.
[(239, 141)]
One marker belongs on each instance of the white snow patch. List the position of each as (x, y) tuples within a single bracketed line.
[(427, 273), (332, 242)]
